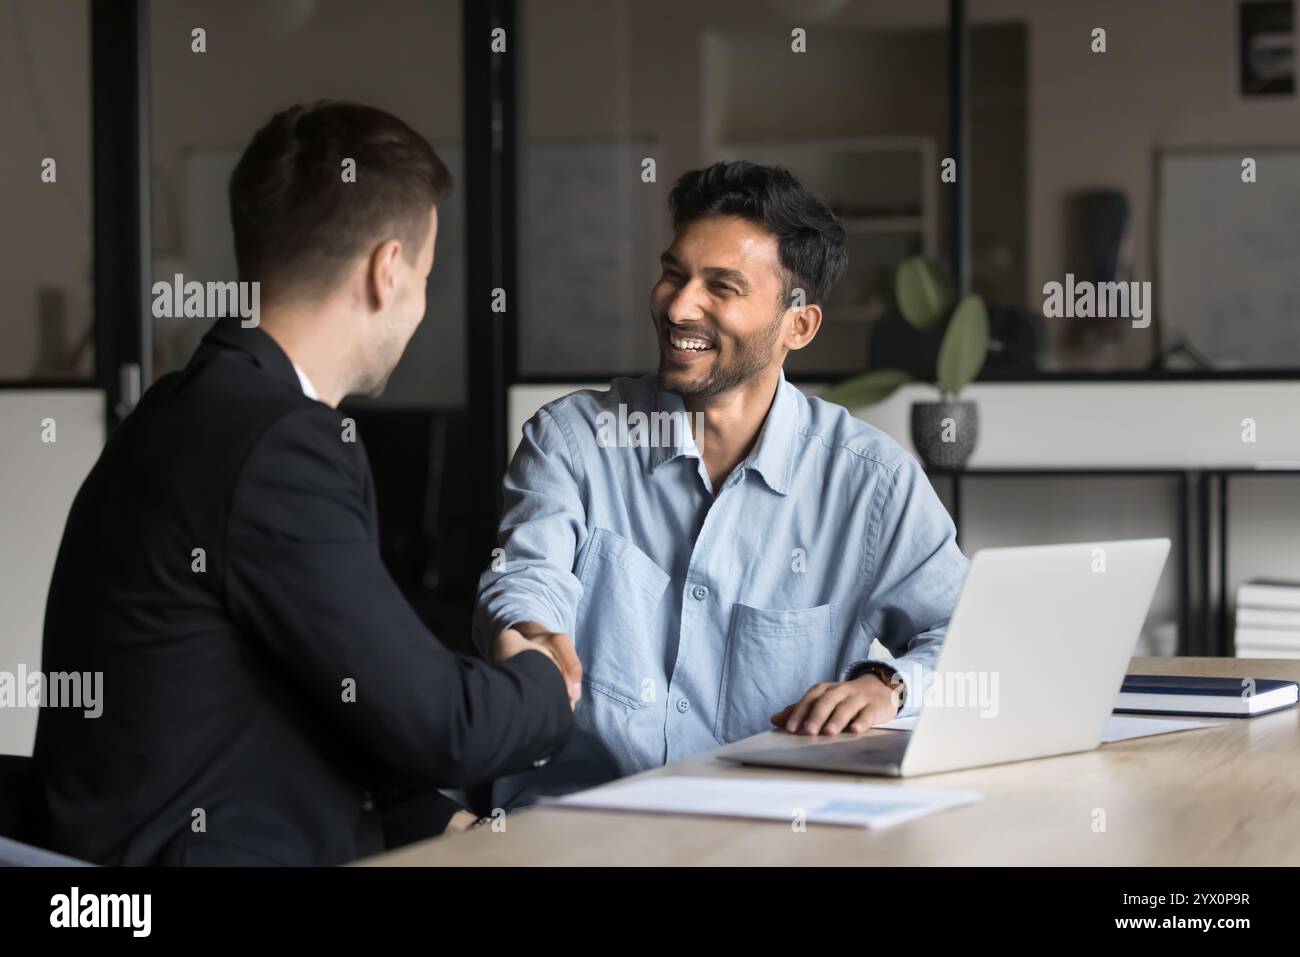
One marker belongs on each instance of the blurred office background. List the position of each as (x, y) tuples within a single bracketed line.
[(1123, 164)]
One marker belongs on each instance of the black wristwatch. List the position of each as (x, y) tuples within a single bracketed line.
[(886, 673)]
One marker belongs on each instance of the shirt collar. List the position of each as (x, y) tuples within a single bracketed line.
[(683, 437), (307, 388), (772, 456)]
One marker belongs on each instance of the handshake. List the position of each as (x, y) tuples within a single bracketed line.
[(530, 636)]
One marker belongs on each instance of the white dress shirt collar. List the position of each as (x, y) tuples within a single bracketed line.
[(307, 388)]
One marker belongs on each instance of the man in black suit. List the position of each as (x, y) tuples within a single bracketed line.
[(267, 692)]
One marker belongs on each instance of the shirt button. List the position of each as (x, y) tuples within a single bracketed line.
[(541, 762), (683, 705), (367, 801), (700, 593)]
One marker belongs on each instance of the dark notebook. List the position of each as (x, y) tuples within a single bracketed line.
[(1219, 697)]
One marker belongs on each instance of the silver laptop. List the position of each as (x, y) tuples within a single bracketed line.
[(1035, 654)]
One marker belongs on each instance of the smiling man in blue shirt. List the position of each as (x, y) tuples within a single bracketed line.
[(722, 549)]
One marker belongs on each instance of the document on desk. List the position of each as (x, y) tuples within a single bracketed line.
[(816, 802), (1119, 727)]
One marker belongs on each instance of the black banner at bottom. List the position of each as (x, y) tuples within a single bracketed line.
[(378, 905)]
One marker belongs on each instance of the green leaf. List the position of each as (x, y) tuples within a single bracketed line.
[(925, 292), (868, 389), (965, 346)]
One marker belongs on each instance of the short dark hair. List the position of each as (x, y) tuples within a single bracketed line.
[(296, 220), (810, 240)]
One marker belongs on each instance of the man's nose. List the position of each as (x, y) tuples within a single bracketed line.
[(687, 304)]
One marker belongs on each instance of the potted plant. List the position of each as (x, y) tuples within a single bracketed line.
[(944, 431)]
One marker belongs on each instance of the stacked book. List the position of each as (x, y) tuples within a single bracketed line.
[(1220, 697), (1268, 619)]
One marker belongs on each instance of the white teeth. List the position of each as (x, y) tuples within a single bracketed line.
[(693, 345)]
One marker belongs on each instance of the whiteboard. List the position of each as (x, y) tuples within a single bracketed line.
[(591, 239), (1228, 256)]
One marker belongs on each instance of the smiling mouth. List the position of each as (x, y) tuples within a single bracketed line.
[(688, 344)]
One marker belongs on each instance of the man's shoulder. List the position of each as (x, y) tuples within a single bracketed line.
[(587, 405), (845, 436), (225, 408), (581, 415), (224, 386)]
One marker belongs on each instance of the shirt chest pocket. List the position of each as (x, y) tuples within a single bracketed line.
[(772, 659), (622, 589)]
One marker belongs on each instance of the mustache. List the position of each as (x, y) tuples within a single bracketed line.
[(687, 331)]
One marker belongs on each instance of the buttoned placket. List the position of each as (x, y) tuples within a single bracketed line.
[(699, 593)]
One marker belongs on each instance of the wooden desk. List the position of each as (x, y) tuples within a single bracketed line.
[(1219, 796)]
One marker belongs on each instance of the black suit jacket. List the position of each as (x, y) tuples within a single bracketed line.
[(261, 694)]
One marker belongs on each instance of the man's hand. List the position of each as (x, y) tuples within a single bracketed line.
[(530, 636), (832, 707), (460, 821)]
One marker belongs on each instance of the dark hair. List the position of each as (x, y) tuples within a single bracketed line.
[(296, 220), (810, 240)]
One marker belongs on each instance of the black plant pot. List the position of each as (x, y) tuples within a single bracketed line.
[(945, 433)]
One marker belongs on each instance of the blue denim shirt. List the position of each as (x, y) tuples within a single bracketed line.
[(698, 615)]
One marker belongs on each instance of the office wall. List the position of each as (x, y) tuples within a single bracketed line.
[(1120, 424), (39, 480), (45, 275), (401, 55), (1166, 81), (1095, 120)]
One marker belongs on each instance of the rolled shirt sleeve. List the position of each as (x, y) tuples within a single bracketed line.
[(543, 527), (915, 573)]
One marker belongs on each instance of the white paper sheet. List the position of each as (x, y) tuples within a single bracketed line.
[(816, 802), (1119, 727)]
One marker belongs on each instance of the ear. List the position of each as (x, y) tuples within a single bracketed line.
[(381, 274), (803, 328)]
